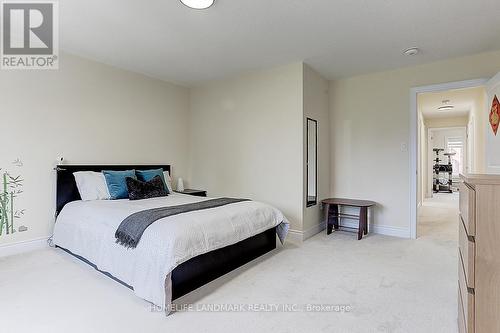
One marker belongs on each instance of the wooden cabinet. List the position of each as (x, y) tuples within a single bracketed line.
[(479, 254)]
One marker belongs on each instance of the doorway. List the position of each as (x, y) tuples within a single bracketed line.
[(444, 131)]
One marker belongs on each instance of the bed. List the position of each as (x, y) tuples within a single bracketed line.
[(177, 254)]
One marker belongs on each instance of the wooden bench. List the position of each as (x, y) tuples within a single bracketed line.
[(333, 214)]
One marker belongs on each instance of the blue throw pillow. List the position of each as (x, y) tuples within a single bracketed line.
[(147, 175), (117, 184)]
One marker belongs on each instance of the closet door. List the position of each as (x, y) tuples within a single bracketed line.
[(493, 125)]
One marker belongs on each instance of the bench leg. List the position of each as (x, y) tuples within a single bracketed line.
[(335, 213), (363, 222), (366, 222), (329, 226)]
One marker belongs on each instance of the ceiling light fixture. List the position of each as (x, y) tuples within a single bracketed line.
[(198, 4), (412, 51), (446, 108)]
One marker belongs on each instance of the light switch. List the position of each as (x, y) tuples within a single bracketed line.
[(404, 147)]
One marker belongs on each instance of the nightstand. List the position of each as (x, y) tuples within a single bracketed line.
[(197, 193)]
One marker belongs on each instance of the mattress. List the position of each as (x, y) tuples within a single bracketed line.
[(87, 229)]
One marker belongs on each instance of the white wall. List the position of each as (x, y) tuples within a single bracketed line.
[(478, 125), (248, 140), (316, 107), (446, 122), (369, 116), (89, 113), (247, 137), (492, 140)]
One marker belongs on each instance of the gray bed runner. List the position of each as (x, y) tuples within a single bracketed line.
[(130, 231)]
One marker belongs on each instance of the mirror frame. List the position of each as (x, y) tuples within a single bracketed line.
[(315, 202)]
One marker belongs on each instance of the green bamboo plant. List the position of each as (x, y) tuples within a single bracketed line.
[(12, 187)]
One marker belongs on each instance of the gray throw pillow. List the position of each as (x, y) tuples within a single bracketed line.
[(138, 190)]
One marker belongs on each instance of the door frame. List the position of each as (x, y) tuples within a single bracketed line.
[(471, 141), (413, 137)]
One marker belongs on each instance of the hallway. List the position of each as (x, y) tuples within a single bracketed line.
[(438, 216)]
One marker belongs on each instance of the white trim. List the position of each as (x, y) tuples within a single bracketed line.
[(413, 138), (381, 229), (313, 230), (22, 247), (298, 236), (294, 236)]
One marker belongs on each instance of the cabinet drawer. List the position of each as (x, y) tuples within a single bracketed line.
[(466, 298), (467, 248), (468, 208)]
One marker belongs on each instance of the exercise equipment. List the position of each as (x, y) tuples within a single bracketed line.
[(442, 176)]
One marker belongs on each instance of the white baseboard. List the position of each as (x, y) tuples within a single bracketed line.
[(390, 231), (298, 236), (313, 230), (22, 247), (294, 236)]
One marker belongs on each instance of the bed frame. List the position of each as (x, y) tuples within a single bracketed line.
[(191, 274)]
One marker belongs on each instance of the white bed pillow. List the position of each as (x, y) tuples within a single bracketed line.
[(92, 185), (168, 179)]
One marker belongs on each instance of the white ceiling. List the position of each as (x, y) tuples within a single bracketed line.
[(338, 38), (461, 99)]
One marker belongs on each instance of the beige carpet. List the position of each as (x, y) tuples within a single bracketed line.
[(391, 285)]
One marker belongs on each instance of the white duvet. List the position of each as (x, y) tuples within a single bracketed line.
[(87, 228)]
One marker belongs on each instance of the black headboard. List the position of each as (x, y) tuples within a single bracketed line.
[(66, 185)]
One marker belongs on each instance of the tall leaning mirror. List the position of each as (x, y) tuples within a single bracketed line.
[(312, 162)]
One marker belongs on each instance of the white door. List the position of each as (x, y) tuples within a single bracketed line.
[(492, 141)]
